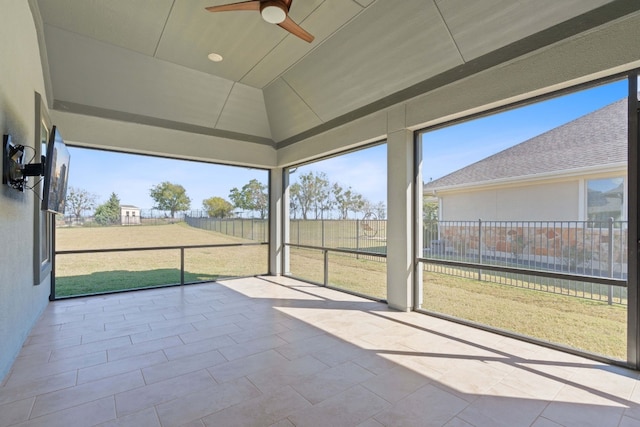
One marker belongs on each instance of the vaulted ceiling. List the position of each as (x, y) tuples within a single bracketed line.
[(145, 61)]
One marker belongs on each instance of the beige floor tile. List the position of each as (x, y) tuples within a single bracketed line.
[(88, 414), (291, 372), (121, 366), (283, 423), (205, 402), (196, 347), (307, 346), (83, 349), (457, 422), (56, 367), (583, 415), (239, 351), (162, 333), (145, 347), (629, 422), (260, 411), (332, 381), (70, 397), (36, 387), (29, 348), (396, 383), (206, 334), (370, 423), (144, 418), (428, 406), (15, 412), (269, 360), (184, 365), (349, 408), (135, 400), (261, 349), (503, 406), (470, 378)]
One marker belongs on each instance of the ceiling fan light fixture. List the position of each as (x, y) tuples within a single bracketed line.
[(215, 57), (273, 12)]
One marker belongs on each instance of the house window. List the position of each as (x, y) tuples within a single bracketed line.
[(605, 199)]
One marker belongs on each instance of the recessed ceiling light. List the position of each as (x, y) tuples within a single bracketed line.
[(215, 57)]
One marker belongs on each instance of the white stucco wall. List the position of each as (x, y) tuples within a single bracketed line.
[(559, 201), (21, 303)]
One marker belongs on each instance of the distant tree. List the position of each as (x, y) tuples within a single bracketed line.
[(380, 209), (252, 197), (217, 207), (347, 201), (294, 204), (79, 200), (170, 197), (108, 213), (430, 209), (312, 193)]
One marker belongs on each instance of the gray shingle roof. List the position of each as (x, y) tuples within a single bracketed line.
[(597, 138)]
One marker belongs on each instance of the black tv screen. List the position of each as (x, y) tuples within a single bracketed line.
[(56, 173)]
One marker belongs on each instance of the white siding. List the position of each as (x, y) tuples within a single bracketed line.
[(542, 202)]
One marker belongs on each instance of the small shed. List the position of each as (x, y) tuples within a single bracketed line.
[(129, 215)]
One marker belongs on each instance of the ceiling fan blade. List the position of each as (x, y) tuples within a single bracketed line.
[(296, 29), (244, 5)]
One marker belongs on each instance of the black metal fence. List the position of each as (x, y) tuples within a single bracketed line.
[(587, 248), (244, 228)]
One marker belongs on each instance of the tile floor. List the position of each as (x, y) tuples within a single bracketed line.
[(274, 351)]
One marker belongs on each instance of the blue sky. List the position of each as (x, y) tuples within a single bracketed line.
[(132, 176), (449, 149), (444, 151)]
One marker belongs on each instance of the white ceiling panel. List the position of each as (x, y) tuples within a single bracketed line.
[(482, 26), (326, 19), (385, 49), (135, 25), (192, 33), (112, 78), (245, 110), (288, 114)]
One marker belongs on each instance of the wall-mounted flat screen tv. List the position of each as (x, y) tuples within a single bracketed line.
[(56, 174)]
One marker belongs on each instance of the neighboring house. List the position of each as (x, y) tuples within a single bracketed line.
[(575, 172), (129, 215), (547, 199)]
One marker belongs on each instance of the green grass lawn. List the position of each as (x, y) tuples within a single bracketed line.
[(80, 274), (584, 324)]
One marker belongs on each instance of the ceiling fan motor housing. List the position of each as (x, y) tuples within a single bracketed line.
[(274, 12)]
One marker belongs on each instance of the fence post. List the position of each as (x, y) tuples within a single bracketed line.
[(322, 231), (357, 237), (181, 266), (479, 248), (610, 261), (326, 267)]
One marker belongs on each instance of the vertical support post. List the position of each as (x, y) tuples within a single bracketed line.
[(322, 231), (278, 221), (401, 189), (633, 209), (181, 266)]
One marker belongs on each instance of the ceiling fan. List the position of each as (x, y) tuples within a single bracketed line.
[(272, 11)]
